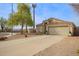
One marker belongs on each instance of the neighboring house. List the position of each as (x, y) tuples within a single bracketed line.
[(55, 27)]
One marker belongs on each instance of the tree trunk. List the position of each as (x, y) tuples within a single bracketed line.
[(22, 25), (2, 27), (26, 29)]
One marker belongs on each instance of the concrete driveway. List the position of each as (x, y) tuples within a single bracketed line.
[(28, 46)]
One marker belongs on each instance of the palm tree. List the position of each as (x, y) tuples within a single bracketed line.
[(34, 6), (12, 15)]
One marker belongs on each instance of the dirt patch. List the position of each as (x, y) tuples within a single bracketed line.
[(67, 47), (18, 36)]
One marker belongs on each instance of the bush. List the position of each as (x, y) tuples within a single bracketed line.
[(2, 38)]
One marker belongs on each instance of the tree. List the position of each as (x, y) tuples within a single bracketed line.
[(75, 6), (2, 23), (29, 21), (13, 19), (25, 15), (21, 17)]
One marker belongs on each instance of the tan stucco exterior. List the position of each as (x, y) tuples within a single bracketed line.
[(51, 25)]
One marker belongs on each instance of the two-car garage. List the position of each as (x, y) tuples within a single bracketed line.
[(55, 30)]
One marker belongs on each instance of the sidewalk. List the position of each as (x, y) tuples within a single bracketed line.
[(28, 46)]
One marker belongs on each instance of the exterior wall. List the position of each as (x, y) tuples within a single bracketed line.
[(76, 31), (71, 28), (40, 29), (57, 24)]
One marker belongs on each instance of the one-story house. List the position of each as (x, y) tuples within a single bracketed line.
[(56, 26)]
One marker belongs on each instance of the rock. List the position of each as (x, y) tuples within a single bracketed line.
[(25, 35)]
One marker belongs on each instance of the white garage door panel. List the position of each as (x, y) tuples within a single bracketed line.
[(59, 30)]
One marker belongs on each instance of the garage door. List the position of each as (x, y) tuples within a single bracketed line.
[(58, 30)]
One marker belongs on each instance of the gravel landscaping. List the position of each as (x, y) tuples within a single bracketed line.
[(67, 47)]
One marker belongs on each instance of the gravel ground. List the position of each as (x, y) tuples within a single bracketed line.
[(67, 47)]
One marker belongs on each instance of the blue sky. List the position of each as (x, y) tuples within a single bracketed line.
[(44, 11)]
